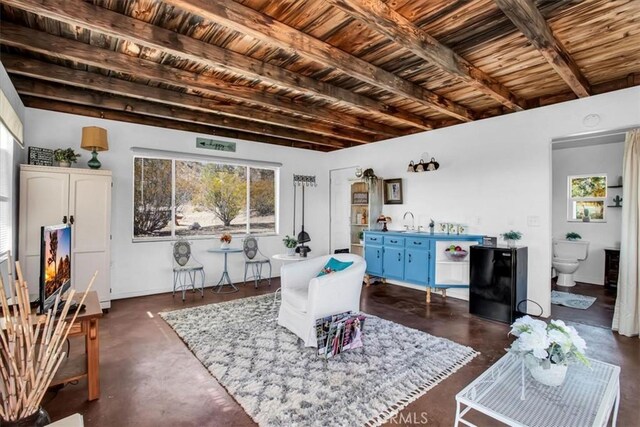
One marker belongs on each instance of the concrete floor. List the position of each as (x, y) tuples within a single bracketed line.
[(150, 378)]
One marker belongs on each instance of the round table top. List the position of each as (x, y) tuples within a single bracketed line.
[(224, 250), (287, 257)]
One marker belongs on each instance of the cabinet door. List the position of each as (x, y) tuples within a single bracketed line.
[(90, 206), (393, 262), (373, 257), (44, 200), (416, 266)]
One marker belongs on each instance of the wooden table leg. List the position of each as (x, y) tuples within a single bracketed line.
[(367, 280), (428, 295), (93, 359), (444, 293)]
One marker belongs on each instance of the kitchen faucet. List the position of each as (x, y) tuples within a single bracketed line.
[(413, 219)]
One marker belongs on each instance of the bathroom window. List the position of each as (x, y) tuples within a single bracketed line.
[(587, 196)]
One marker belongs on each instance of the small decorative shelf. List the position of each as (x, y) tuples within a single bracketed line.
[(614, 186), (614, 206)]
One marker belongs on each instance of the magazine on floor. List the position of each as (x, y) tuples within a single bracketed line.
[(339, 333)]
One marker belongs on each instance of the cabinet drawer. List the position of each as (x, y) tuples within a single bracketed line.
[(417, 243), (373, 239), (394, 241)]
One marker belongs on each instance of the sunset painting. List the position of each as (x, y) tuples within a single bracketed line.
[(57, 259)]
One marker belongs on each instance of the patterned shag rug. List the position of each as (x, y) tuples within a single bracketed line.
[(280, 383), (581, 302)]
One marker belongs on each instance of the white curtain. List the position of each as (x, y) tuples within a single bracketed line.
[(626, 317)]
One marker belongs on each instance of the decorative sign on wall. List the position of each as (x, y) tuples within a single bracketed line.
[(212, 144), (40, 156)]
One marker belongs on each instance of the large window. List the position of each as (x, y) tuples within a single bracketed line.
[(587, 197), (194, 198)]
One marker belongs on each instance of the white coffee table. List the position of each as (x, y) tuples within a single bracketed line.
[(287, 257), (587, 397)]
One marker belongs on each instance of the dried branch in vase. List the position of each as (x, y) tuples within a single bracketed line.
[(31, 348)]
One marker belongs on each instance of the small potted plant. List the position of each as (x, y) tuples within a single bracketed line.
[(65, 156), (290, 243), (361, 237), (225, 241), (547, 349), (572, 235), (370, 177), (511, 237)]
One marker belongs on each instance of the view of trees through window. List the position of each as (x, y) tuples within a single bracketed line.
[(209, 198)]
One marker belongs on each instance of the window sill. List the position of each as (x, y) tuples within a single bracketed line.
[(209, 237)]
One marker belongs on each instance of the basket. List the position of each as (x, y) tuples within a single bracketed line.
[(456, 255)]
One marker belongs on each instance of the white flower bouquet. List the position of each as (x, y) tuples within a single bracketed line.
[(546, 346)]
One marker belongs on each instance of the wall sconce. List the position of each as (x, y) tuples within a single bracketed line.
[(421, 166)]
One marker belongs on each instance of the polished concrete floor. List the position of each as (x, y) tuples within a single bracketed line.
[(599, 314), (149, 377)]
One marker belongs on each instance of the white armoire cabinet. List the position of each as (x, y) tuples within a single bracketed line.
[(81, 197)]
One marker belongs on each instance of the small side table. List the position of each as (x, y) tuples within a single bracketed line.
[(588, 396), (225, 280)]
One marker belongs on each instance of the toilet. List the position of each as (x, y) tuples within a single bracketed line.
[(567, 255)]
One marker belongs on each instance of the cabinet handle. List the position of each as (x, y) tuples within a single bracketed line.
[(417, 243), (373, 238), (378, 252), (71, 220), (64, 219), (399, 256), (409, 257), (393, 241)]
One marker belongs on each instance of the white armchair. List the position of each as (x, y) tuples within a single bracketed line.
[(306, 297)]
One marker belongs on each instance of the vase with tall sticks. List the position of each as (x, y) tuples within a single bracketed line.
[(30, 351)]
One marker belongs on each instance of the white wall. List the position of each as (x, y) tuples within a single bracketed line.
[(593, 159), (145, 268), (494, 174)]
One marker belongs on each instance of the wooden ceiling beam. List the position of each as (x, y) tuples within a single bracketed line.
[(527, 18), (72, 95), (82, 110), (46, 44), (17, 65), (113, 24), (383, 19), (238, 17)]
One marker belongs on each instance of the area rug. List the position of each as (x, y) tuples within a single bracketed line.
[(280, 383), (581, 302)]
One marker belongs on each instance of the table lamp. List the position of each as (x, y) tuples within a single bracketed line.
[(94, 139)]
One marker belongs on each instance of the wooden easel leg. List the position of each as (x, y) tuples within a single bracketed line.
[(93, 360), (428, 295)]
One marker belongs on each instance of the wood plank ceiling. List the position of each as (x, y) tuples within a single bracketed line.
[(315, 74)]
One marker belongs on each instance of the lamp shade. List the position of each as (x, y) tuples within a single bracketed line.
[(94, 138)]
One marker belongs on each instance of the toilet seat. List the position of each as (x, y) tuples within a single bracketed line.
[(565, 261)]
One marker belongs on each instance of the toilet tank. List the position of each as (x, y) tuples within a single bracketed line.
[(570, 249)]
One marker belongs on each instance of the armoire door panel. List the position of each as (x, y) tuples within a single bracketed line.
[(89, 205), (84, 266)]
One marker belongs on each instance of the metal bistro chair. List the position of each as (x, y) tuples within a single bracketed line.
[(254, 258), (185, 269)]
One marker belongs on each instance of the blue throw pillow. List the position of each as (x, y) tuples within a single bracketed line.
[(332, 266)]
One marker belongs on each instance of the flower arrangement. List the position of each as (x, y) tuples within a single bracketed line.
[(65, 155), (512, 235), (225, 238), (572, 235), (546, 346), (290, 242)]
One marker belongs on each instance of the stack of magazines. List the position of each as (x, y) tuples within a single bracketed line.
[(339, 333)]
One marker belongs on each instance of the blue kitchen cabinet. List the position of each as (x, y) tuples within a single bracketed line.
[(373, 257), (393, 262), (416, 266)]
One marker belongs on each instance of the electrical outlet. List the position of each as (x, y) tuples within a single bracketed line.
[(533, 221)]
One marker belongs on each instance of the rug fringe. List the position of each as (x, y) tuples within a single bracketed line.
[(396, 408)]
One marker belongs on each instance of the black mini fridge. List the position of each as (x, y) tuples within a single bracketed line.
[(498, 282)]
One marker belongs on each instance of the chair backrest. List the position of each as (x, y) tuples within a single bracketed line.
[(250, 247), (181, 252)]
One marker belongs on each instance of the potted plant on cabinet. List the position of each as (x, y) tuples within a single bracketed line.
[(511, 237), (65, 156), (361, 237), (290, 243)]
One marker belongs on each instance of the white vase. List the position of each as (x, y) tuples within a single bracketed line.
[(224, 245), (291, 251), (64, 164), (511, 243), (553, 376)]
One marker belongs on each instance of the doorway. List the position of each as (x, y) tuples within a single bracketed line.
[(340, 205)]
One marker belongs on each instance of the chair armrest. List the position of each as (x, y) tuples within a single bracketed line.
[(299, 273), (336, 292)]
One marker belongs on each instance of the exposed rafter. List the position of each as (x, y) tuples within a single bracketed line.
[(41, 70), (41, 89), (86, 15), (265, 29), (382, 18), (529, 20), (83, 110), (43, 43)]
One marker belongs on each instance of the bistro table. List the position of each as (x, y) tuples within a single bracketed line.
[(508, 393), (225, 280)]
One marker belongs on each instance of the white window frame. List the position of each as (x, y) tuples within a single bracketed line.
[(6, 190), (572, 200), (204, 159)]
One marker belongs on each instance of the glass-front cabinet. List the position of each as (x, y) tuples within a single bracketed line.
[(366, 206)]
